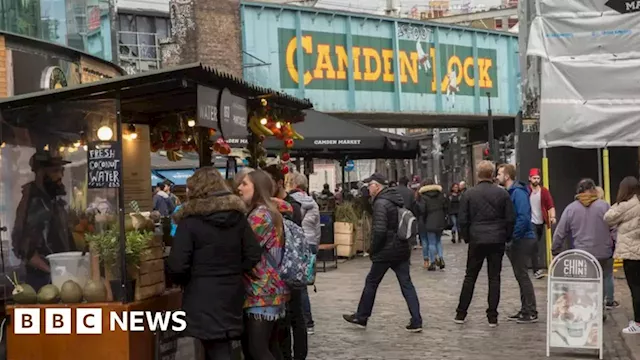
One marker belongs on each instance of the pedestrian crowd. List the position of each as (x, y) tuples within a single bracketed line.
[(244, 254)]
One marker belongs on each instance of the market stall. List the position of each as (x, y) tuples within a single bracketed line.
[(76, 165)]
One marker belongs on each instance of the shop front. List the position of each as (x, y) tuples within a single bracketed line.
[(78, 230)]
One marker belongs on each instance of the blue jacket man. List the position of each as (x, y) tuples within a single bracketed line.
[(522, 229), (523, 243)]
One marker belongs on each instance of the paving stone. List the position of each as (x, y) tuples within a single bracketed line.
[(339, 291)]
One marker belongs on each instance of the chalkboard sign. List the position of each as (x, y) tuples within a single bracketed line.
[(104, 165)]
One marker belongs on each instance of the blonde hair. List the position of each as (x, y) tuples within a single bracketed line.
[(600, 192), (486, 170), (296, 180)]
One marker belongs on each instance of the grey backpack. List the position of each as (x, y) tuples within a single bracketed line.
[(407, 224)]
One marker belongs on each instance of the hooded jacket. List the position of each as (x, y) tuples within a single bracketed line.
[(522, 229), (626, 217), (583, 221), (310, 216), (213, 247), (162, 203), (431, 209), (385, 244)]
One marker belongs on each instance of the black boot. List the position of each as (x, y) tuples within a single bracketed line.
[(453, 237)]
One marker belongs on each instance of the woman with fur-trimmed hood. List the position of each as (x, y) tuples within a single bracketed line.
[(214, 246), (431, 209)]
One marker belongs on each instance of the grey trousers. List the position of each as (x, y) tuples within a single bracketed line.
[(519, 252)]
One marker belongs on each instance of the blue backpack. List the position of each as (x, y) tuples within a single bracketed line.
[(294, 268)]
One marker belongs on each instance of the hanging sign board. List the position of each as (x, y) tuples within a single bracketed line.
[(232, 111), (575, 302), (208, 107), (104, 165)]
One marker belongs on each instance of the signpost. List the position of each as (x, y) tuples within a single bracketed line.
[(575, 302), (349, 166)]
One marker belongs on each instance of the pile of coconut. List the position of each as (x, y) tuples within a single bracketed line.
[(69, 293)]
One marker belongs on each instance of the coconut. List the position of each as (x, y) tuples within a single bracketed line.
[(24, 294), (70, 292), (48, 294), (95, 291)]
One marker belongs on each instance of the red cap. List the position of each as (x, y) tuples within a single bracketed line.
[(534, 172)]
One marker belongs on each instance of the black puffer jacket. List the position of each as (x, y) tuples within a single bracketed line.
[(431, 209), (385, 244), (213, 246), (486, 215), (454, 203)]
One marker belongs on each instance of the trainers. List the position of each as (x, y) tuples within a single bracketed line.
[(311, 330), (352, 319), (539, 274), (493, 322), (527, 319), (460, 319), (612, 305), (515, 317), (432, 267), (413, 328), (633, 328), (441, 265)]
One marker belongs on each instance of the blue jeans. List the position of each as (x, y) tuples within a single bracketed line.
[(607, 279), (306, 303), (425, 246), (454, 222), (375, 276), (435, 245)]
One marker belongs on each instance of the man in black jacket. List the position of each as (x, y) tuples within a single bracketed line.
[(486, 221), (387, 251)]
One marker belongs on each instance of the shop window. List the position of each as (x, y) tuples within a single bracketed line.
[(49, 207)]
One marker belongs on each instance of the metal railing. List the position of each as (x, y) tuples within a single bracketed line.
[(138, 51)]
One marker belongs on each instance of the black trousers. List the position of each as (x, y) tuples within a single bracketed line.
[(220, 350), (518, 254), (535, 251), (632, 273), (477, 253), (260, 339), (294, 324)]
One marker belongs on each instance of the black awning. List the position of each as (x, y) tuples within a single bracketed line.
[(328, 137)]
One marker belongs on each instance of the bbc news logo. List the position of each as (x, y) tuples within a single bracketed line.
[(89, 321)]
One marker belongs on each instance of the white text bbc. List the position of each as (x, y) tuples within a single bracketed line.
[(27, 321)]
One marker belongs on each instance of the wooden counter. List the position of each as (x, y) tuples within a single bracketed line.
[(117, 345)]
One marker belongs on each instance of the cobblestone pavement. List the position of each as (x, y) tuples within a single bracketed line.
[(339, 291)]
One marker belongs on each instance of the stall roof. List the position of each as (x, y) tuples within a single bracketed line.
[(143, 92), (328, 137)]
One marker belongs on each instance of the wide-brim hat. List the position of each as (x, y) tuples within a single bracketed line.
[(45, 159)]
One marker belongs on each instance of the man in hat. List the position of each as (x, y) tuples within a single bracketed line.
[(42, 226), (543, 212), (387, 251)]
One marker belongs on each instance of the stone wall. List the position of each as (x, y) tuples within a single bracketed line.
[(205, 31)]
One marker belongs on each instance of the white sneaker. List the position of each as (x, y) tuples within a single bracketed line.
[(633, 328)]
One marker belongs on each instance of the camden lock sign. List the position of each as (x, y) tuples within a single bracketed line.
[(575, 302), (326, 64)]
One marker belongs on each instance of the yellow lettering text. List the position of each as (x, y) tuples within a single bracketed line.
[(371, 73), (343, 62), (324, 67), (483, 68), (355, 52), (466, 69), (408, 67), (307, 47), (434, 65), (387, 60)]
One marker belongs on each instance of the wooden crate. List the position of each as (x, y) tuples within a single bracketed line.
[(342, 228), (347, 251), (343, 239), (150, 277)]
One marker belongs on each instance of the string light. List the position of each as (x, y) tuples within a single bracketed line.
[(105, 133), (85, 147), (46, 147), (62, 149), (263, 102), (264, 121), (191, 123), (278, 125), (132, 132)]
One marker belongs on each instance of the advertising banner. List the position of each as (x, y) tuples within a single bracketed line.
[(575, 302)]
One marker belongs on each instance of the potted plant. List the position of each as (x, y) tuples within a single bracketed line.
[(107, 246)]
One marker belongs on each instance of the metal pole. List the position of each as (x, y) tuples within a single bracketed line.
[(492, 145), (122, 236), (600, 167), (606, 176), (545, 183)]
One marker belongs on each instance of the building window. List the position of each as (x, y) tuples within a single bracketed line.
[(139, 40), (498, 24), (513, 22)]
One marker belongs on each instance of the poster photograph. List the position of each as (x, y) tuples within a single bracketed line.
[(575, 315)]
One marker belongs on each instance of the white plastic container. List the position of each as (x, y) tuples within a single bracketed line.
[(69, 266)]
